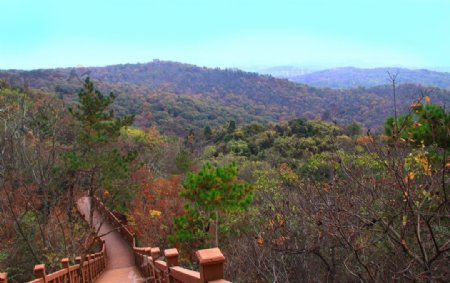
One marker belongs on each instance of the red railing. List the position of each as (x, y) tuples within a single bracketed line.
[(154, 269), (85, 271), (115, 222), (148, 261)]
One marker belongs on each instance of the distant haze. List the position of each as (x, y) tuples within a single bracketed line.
[(350, 77)]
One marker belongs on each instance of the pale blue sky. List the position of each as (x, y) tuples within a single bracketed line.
[(231, 33)]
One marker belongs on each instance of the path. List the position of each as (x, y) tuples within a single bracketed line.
[(120, 266)]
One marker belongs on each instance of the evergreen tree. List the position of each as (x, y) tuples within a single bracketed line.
[(96, 159), (427, 124), (212, 194)]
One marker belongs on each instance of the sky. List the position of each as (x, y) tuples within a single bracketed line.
[(226, 33)]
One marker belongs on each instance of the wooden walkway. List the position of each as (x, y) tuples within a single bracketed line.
[(120, 266), (121, 261)]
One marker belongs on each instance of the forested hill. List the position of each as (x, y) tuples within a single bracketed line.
[(179, 97), (350, 77)]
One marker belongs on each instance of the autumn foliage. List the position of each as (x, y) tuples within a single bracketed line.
[(156, 203)]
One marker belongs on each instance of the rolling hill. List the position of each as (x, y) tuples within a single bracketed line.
[(178, 97), (350, 77)]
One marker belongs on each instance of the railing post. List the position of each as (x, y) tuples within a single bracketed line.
[(155, 254), (3, 277), (66, 264), (147, 252), (95, 265), (80, 266), (99, 264), (211, 264), (39, 272), (172, 260), (89, 268), (104, 254)]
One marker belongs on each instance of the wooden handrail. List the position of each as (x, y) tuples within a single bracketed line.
[(154, 269), (148, 261), (114, 221), (82, 272)]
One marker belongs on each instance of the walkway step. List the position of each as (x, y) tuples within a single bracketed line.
[(121, 275), (120, 259)]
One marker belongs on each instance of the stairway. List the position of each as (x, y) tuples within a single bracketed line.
[(120, 267)]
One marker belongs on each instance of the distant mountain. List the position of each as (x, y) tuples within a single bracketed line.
[(178, 97), (350, 77), (284, 72)]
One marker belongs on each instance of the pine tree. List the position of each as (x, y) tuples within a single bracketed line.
[(212, 194), (96, 159)]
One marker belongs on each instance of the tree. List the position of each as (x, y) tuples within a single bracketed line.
[(426, 124), (212, 194), (96, 160), (35, 214)]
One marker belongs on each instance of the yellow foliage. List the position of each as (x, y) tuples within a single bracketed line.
[(154, 213), (409, 176), (287, 173), (135, 133), (422, 161)]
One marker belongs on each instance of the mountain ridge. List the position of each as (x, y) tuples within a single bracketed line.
[(178, 97), (350, 77)]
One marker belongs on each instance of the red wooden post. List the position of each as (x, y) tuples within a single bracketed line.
[(95, 264), (39, 272), (89, 268), (172, 257), (147, 266), (155, 254), (3, 277), (104, 254), (99, 266), (211, 264), (172, 260), (80, 266), (65, 263)]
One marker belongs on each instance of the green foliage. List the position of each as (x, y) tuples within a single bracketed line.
[(238, 147), (217, 188), (353, 129), (96, 151), (183, 161), (177, 96), (427, 124), (212, 193), (282, 143), (97, 121)]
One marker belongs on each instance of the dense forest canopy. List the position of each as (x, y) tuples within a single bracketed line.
[(179, 97), (284, 178)]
